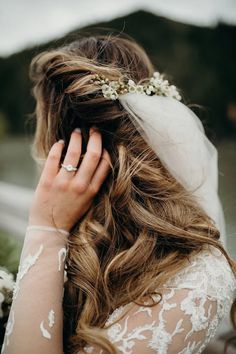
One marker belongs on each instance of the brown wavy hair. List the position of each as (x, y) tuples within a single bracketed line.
[(143, 225)]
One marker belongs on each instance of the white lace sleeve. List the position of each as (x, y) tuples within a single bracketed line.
[(35, 323), (192, 306)]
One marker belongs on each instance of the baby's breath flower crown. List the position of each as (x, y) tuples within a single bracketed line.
[(156, 85)]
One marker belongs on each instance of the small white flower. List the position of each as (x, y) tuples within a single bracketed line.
[(156, 82), (132, 89), (109, 91), (152, 81), (110, 94), (156, 74), (178, 97), (114, 84), (140, 89), (172, 92), (131, 83), (165, 91), (114, 96), (105, 87), (6, 289), (6, 280), (150, 89), (107, 95)]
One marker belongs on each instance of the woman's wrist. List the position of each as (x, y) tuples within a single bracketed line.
[(45, 223), (39, 227)]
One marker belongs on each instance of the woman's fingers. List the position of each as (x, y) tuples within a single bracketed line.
[(92, 170), (101, 172), (73, 153), (56, 201), (51, 166), (90, 161)]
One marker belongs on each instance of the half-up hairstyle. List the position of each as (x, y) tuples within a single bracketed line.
[(143, 225)]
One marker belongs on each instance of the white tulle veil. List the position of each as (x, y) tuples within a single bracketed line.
[(178, 138)]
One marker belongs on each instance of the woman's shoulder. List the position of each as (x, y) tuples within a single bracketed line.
[(207, 271)]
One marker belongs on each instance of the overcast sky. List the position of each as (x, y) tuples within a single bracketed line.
[(27, 22)]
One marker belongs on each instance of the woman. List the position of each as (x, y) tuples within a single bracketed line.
[(146, 271)]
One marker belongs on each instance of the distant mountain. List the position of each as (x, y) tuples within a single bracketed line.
[(200, 60)]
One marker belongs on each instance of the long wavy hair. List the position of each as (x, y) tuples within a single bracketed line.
[(143, 225)]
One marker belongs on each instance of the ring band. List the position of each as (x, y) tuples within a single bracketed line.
[(69, 167)]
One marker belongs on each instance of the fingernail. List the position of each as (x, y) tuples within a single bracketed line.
[(61, 141), (77, 130), (93, 129)]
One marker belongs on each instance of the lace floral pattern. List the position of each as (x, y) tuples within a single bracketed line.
[(24, 267), (193, 303)]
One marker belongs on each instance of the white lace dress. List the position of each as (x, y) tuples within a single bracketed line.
[(193, 304)]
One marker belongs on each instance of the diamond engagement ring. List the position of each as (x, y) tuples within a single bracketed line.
[(69, 167)]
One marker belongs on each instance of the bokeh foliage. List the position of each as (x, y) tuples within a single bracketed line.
[(10, 250)]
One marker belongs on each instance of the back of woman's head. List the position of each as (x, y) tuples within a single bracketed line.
[(142, 225), (66, 97)]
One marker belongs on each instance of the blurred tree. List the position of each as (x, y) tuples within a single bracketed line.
[(4, 125), (201, 60)]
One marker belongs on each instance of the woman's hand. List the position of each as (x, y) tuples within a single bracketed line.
[(62, 197)]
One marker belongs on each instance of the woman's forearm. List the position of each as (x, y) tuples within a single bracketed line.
[(35, 323)]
